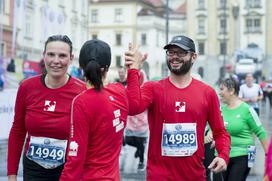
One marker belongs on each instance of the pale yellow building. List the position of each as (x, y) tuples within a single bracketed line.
[(223, 27), (141, 22)]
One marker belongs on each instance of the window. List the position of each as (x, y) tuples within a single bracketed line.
[(143, 39), (222, 4), (94, 16), (253, 25), (201, 48), (28, 25), (118, 39), (118, 15), (94, 36), (223, 48), (253, 3), (201, 26), (118, 60), (2, 6), (2, 48), (201, 4), (223, 26)]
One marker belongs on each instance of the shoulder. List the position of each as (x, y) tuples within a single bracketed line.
[(245, 106), (32, 81), (79, 83), (243, 86), (202, 86)]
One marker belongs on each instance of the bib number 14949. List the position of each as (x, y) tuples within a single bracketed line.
[(51, 153)]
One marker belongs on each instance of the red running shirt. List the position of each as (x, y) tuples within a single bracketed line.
[(196, 103), (97, 125), (40, 111)]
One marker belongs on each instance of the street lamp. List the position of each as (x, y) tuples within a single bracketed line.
[(224, 37), (235, 14), (167, 22)]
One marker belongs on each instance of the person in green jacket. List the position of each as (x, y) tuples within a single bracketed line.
[(241, 122)]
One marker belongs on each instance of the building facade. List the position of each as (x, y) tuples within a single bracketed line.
[(6, 28), (36, 20), (222, 27), (120, 22)]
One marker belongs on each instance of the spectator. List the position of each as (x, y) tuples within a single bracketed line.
[(11, 66), (251, 92), (122, 76)]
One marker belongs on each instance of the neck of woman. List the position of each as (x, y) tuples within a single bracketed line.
[(234, 102), (54, 83)]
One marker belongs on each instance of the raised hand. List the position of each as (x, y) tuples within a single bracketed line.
[(134, 58)]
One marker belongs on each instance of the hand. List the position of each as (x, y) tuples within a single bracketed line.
[(212, 145), (209, 137), (12, 178), (218, 165), (255, 99), (134, 58)]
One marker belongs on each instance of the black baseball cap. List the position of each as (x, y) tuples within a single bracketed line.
[(183, 42), (95, 50)]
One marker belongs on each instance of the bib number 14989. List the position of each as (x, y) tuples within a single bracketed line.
[(185, 138)]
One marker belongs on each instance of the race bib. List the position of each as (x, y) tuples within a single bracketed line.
[(179, 139), (251, 153), (47, 152)]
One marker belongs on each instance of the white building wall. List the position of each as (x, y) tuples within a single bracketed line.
[(258, 38), (132, 28), (46, 18)]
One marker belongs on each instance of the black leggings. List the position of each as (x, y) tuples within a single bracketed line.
[(34, 172), (139, 143), (237, 170), (209, 156)]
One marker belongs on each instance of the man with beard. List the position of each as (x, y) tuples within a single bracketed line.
[(179, 107)]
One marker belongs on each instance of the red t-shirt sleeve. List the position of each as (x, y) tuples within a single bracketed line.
[(139, 97), (78, 142), (220, 134), (133, 91), (17, 133)]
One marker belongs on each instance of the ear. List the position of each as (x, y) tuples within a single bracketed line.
[(71, 57), (194, 57)]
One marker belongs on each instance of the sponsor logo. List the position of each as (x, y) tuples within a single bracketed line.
[(73, 148), (180, 106), (49, 106)]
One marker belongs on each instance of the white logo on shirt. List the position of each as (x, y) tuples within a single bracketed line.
[(49, 106), (119, 125), (73, 148), (111, 98), (180, 106)]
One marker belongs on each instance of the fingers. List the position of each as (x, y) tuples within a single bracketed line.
[(212, 165), (130, 46), (218, 165), (212, 145), (133, 57)]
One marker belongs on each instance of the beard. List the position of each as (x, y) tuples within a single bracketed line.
[(185, 68)]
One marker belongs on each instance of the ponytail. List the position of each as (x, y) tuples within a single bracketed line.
[(93, 73)]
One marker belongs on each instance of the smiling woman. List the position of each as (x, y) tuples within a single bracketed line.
[(57, 57), (42, 112)]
